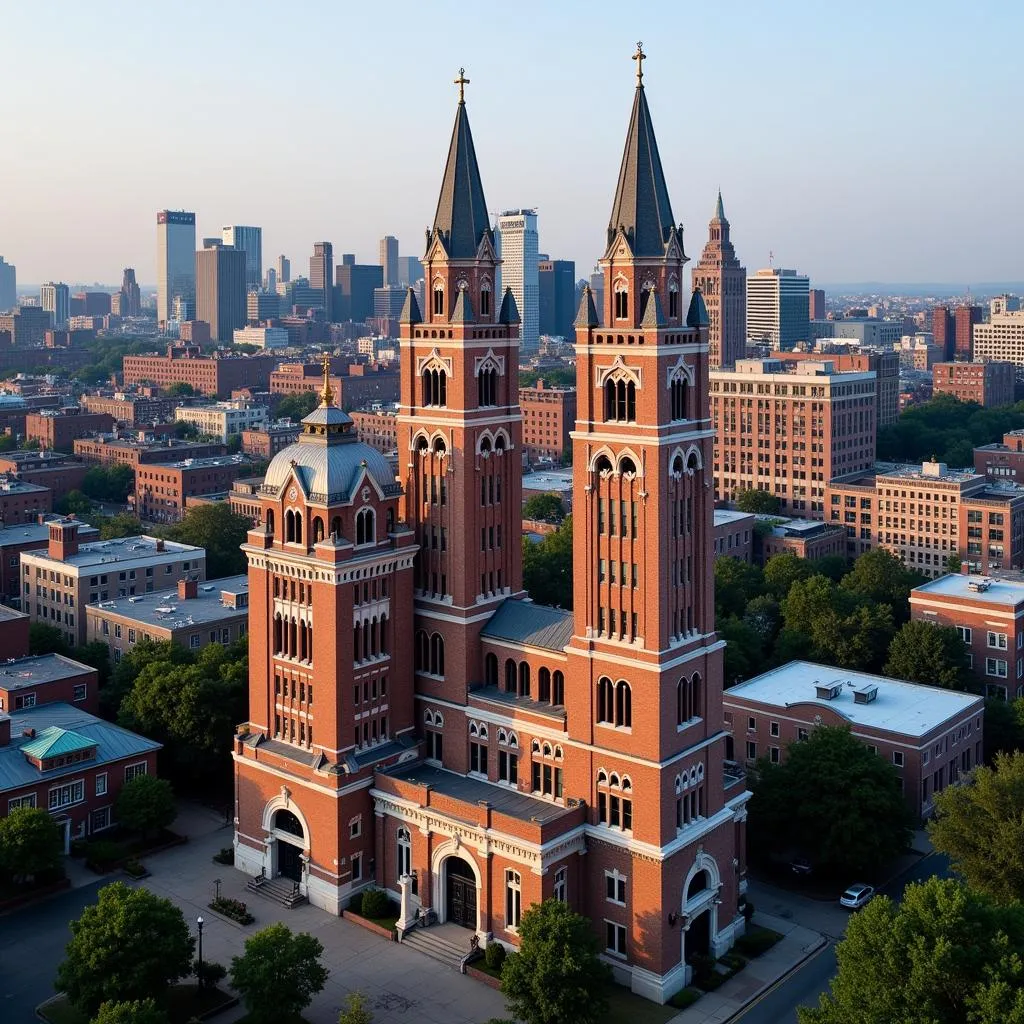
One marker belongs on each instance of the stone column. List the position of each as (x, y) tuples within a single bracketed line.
[(407, 916)]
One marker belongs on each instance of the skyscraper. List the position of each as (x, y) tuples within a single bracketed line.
[(321, 276), (516, 239), (175, 261), (8, 286), (965, 317), (250, 240), (778, 307), (55, 298), (355, 284), (722, 281), (284, 269), (817, 303), (389, 260), (410, 270), (556, 296), (944, 330), (131, 299), (221, 296)]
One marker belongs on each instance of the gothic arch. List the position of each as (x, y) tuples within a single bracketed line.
[(694, 459), (702, 862), (628, 453), (607, 453), (618, 370), (283, 802), (680, 370)]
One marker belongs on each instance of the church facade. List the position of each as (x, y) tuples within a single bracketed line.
[(415, 721)]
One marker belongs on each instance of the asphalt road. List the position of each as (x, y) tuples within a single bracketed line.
[(805, 986), (32, 944)]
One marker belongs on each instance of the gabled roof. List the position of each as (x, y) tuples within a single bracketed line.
[(55, 742), (697, 314), (463, 311), (461, 219), (509, 312), (536, 625), (652, 310), (587, 314), (641, 207), (411, 310)]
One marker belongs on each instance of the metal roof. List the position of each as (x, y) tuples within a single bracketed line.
[(537, 625), (55, 741)]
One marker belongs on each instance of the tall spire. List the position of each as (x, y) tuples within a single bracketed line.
[(327, 392), (461, 220), (641, 205), (719, 208)]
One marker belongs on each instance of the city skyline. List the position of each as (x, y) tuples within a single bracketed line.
[(828, 211)]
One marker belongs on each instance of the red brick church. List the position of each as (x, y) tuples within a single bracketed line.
[(413, 715)]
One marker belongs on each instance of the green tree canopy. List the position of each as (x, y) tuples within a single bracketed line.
[(547, 567), (944, 955), (219, 530), (783, 570), (547, 508), (1004, 726), (109, 483), (122, 525), (981, 827), (880, 576), (146, 804), (736, 583), (146, 652), (75, 503), (556, 976), (46, 639), (356, 1010), (924, 652), (128, 945), (278, 974), (135, 1011), (832, 800), (30, 843), (758, 502), (744, 648), (297, 406), (179, 389)]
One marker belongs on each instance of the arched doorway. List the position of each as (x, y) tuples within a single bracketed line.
[(289, 851), (698, 937), (460, 893)]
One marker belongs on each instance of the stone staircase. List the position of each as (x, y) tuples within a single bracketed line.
[(281, 890), (445, 943)]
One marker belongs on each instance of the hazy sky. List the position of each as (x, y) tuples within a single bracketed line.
[(870, 140)]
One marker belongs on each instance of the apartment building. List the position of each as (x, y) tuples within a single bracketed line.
[(989, 384), (932, 736), (988, 613), (1003, 461), (805, 538), (58, 582), (22, 502), (56, 429), (925, 513), (112, 450), (789, 428), (549, 415), (378, 428), (266, 441), (355, 385), (15, 538), (734, 534), (222, 419), (132, 410), (1001, 338), (215, 375), (162, 490)]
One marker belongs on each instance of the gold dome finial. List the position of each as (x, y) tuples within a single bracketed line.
[(326, 393)]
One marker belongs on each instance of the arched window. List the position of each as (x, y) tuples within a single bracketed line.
[(673, 300), (485, 299), (365, 527), (384, 641), (437, 655), (544, 685), (491, 670), (689, 699), (621, 300), (270, 521), (605, 700), (510, 676), (524, 679), (422, 650), (289, 526), (696, 696), (438, 299), (679, 396), (614, 802), (499, 442), (619, 400), (336, 526), (487, 386), (558, 688), (513, 899), (277, 634), (318, 530), (623, 704)]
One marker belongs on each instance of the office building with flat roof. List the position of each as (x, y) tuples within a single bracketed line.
[(250, 241), (175, 262), (516, 239), (221, 293), (778, 307)]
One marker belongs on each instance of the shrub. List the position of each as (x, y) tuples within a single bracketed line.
[(103, 854), (703, 967), (226, 856), (235, 909), (356, 903), (757, 941), (734, 961), (376, 903), (685, 997), (211, 973), (494, 956), (711, 981), (135, 868)]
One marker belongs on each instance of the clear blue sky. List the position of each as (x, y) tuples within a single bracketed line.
[(857, 141)]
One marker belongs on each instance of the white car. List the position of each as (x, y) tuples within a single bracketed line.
[(856, 896)]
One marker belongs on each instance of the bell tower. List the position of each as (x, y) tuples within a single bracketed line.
[(459, 429)]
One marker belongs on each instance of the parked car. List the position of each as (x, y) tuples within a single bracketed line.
[(800, 866), (856, 896)]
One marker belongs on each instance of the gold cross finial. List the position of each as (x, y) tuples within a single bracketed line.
[(639, 57), (326, 393), (462, 81)]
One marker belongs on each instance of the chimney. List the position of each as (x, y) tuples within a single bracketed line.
[(5, 730), (188, 588), (159, 543), (63, 539)]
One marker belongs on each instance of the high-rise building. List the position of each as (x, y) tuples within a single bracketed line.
[(220, 290), (131, 298), (778, 307), (389, 261), (410, 270), (8, 286), (516, 239), (355, 285), (722, 280), (270, 281), (556, 296), (55, 298), (321, 276), (388, 301), (476, 751), (1002, 338), (965, 317), (944, 330), (262, 305), (283, 266), (250, 241), (816, 299), (175, 261)]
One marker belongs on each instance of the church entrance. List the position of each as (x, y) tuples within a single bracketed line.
[(698, 937), (289, 861), (460, 887)]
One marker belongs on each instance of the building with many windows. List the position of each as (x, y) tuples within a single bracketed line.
[(1001, 338), (163, 490), (989, 384), (549, 414), (222, 419), (516, 240), (511, 751), (778, 307), (175, 263)]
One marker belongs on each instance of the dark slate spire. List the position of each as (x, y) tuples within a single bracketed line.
[(587, 315), (641, 205), (461, 219), (463, 311), (652, 311), (719, 208), (509, 312), (697, 314), (411, 310)]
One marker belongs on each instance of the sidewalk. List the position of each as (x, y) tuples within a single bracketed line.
[(798, 944)]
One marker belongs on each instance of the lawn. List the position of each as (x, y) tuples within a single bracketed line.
[(183, 1003), (626, 1008)]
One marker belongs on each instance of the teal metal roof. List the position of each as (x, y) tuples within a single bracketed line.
[(56, 742)]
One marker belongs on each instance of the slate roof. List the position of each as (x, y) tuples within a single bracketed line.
[(461, 218), (411, 310), (587, 315), (537, 625), (463, 311), (653, 316), (697, 314), (509, 312)]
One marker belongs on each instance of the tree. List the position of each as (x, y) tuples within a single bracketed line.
[(297, 406), (278, 974), (234, 444), (30, 843), (880, 576), (135, 1011), (834, 567), (743, 649), (356, 1010), (736, 583), (924, 652), (146, 652), (954, 563), (981, 827), (128, 945), (545, 508), (122, 525), (944, 955), (179, 389), (109, 483), (96, 654), (45, 639), (556, 976), (146, 805), (218, 529), (783, 570), (758, 502), (1004, 726), (547, 567), (73, 503), (832, 799)]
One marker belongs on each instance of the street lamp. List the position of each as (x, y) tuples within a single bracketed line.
[(199, 923)]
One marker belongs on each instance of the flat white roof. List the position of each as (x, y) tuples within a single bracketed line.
[(548, 480), (724, 516), (123, 552), (1000, 589), (912, 709)]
